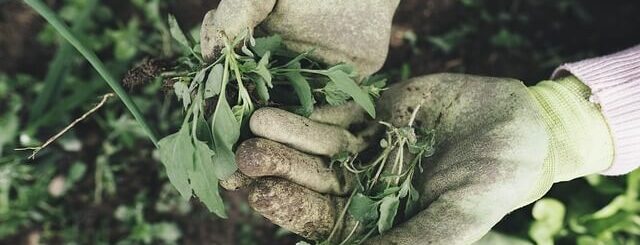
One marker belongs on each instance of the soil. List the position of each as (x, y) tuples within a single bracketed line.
[(551, 37), (19, 50), (588, 28)]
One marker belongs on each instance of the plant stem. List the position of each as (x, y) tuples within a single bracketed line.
[(398, 161), (63, 30), (342, 215), (353, 231), (367, 235), (59, 134), (383, 159), (415, 113)]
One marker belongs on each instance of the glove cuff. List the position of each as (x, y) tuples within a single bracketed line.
[(580, 142), (615, 82)]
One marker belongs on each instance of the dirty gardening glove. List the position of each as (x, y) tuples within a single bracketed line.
[(500, 146), (287, 171), (354, 32)]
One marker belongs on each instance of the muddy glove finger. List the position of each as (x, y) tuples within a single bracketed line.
[(342, 116), (303, 133), (230, 19), (298, 170), (295, 208), (236, 181), (260, 157)]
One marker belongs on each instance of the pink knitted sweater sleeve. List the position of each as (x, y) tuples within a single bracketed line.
[(615, 85)]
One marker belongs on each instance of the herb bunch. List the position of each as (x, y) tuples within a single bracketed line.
[(219, 97), (385, 182)]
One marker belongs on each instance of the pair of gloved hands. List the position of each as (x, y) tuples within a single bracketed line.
[(500, 145)]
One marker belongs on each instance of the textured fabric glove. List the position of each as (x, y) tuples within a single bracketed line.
[(500, 146), (354, 32)]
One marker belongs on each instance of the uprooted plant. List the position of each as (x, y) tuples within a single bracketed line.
[(219, 97)]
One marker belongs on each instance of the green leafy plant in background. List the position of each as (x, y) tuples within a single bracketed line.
[(581, 221), (33, 209), (91, 57), (548, 214), (144, 232), (201, 152)]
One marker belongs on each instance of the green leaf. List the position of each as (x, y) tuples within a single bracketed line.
[(549, 216), (346, 68), (224, 161), (238, 112), (247, 66), (622, 221), (177, 33), (298, 58), (302, 88), (267, 44), (204, 181), (388, 191), (333, 95), (261, 88), (184, 94), (388, 210), (214, 81), (175, 151), (374, 85), (404, 188), (412, 202), (425, 141), (349, 86), (226, 128), (226, 131), (340, 157), (203, 131), (197, 80), (263, 71), (363, 209)]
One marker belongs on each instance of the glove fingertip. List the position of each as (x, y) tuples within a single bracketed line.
[(236, 181), (300, 210)]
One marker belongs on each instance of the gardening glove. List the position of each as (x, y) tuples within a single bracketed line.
[(353, 32), (287, 169), (500, 146)]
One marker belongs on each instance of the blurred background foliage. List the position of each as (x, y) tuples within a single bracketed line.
[(101, 183)]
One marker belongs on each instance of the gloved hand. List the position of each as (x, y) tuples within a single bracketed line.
[(500, 146), (354, 32)]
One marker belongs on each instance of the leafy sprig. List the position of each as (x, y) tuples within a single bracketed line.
[(250, 73), (375, 202)]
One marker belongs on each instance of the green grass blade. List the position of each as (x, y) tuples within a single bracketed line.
[(63, 30)]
